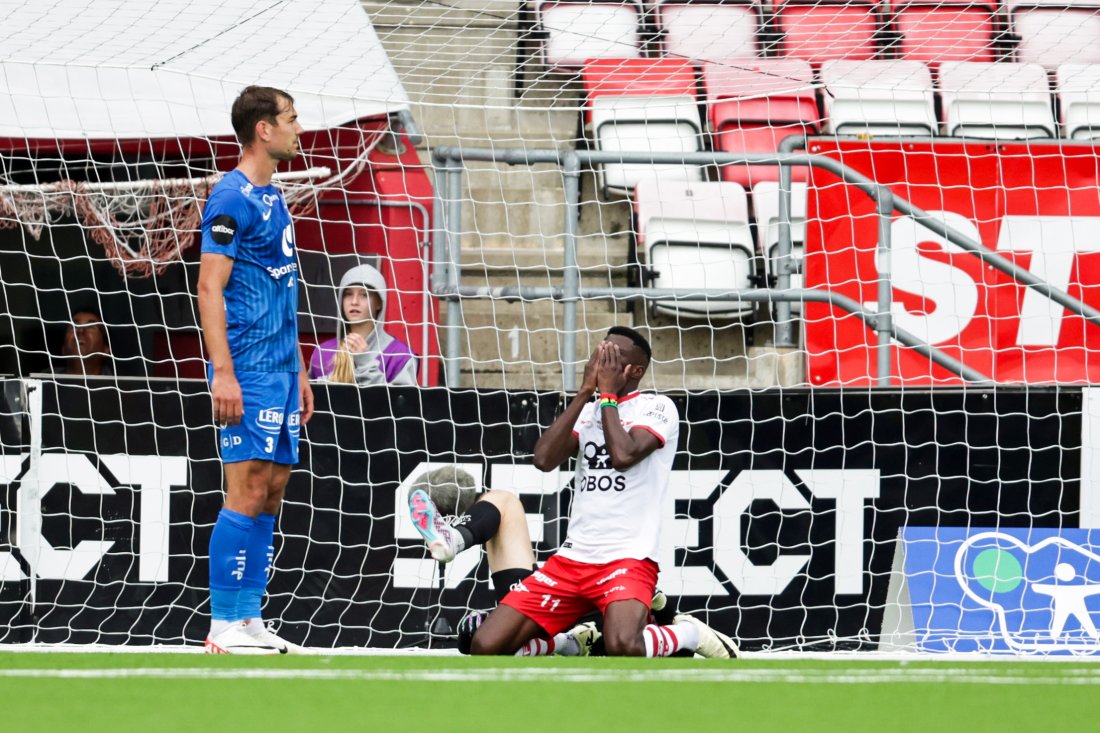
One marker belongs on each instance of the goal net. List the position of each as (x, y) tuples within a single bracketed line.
[(862, 239)]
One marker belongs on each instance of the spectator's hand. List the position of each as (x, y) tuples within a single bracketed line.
[(228, 402), (588, 382), (305, 397), (611, 371), (356, 344)]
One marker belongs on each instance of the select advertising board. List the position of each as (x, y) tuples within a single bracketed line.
[(780, 527)]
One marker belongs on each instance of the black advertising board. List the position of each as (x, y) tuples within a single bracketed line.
[(783, 509)]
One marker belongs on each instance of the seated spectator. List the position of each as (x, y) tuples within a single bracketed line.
[(361, 352), (86, 350)]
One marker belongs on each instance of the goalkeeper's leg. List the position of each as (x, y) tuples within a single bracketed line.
[(496, 520)]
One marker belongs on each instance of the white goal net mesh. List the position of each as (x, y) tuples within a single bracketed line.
[(524, 176)]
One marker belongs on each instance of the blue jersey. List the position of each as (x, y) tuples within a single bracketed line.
[(252, 225)]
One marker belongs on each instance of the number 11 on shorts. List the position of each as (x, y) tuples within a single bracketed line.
[(548, 600)]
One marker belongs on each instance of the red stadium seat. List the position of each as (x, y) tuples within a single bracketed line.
[(709, 31), (640, 77), (752, 107), (820, 30), (579, 31), (1056, 33), (947, 30)]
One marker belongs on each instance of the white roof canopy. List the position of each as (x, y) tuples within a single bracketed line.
[(104, 69)]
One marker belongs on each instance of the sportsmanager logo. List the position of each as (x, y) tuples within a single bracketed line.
[(278, 272), (1039, 589), (270, 420)]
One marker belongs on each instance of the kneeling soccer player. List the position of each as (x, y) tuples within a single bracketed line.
[(607, 562)]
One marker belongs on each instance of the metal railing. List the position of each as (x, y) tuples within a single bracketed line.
[(448, 165)]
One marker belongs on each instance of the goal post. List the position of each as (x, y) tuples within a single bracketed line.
[(811, 507)]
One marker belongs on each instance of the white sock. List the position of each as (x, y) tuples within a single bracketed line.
[(661, 641), (217, 627), (566, 645), (252, 626), (537, 648)]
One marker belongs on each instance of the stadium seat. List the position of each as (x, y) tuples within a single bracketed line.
[(752, 107), (878, 98), (1078, 90), (765, 204), (709, 31), (996, 101), (945, 30), (1053, 34), (820, 30), (696, 236), (579, 31), (643, 106)]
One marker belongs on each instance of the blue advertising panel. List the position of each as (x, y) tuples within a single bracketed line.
[(1021, 591)]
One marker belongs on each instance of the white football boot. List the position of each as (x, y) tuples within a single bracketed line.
[(712, 644), (257, 630), (437, 534), (235, 640)]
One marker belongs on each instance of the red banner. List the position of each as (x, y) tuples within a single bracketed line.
[(1036, 205)]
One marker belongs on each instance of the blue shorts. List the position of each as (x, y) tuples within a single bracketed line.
[(271, 422)]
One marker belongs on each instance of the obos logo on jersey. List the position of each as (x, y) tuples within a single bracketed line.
[(270, 420), (1019, 590)]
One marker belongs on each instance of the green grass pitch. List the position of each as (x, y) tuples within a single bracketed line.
[(60, 692)]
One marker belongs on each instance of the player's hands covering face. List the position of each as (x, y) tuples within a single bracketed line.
[(589, 383), (611, 369)]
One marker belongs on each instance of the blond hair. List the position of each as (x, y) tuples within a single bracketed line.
[(342, 369)]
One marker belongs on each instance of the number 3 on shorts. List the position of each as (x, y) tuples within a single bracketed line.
[(270, 445), (548, 599)]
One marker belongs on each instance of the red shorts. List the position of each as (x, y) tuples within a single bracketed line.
[(563, 591)]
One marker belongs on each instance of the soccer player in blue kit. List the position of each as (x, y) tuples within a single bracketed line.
[(248, 307)]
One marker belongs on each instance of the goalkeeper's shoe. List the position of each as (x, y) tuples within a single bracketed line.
[(235, 640), (586, 634), (712, 644), (257, 630), (437, 534)]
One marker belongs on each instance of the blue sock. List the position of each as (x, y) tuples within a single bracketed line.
[(261, 552), (228, 551)]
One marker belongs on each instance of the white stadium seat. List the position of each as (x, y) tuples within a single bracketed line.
[(765, 204), (878, 98), (579, 31), (641, 124), (696, 235), (996, 100), (709, 31), (1078, 90), (1056, 34)]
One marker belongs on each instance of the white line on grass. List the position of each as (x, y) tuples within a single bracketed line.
[(959, 675)]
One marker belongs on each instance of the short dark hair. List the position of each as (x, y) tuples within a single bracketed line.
[(637, 338), (253, 104)]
